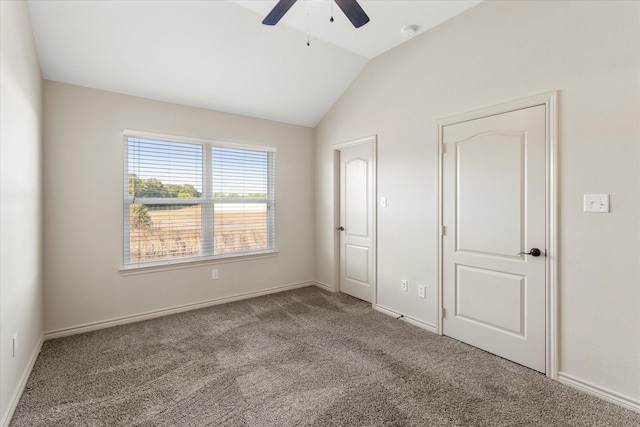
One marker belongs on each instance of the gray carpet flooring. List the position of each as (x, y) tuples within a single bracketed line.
[(299, 358)]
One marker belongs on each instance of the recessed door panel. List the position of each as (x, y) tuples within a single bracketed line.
[(357, 263), (356, 215), (490, 199), (491, 298)]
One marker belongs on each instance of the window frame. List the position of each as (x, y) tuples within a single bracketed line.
[(207, 203)]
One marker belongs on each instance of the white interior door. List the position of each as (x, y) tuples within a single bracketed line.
[(356, 221), (494, 210)]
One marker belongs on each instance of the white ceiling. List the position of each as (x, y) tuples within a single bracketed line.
[(217, 55)]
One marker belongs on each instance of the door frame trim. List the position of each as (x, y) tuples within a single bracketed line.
[(373, 141), (549, 100)]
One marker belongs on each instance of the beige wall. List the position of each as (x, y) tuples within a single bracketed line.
[(497, 52), (20, 202), (83, 183)]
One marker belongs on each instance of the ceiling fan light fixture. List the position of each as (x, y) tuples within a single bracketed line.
[(408, 31)]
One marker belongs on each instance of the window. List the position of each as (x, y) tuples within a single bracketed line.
[(188, 199)]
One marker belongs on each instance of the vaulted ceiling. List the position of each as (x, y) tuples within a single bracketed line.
[(218, 55)]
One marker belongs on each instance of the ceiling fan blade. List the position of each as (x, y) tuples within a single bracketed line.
[(354, 12), (278, 12)]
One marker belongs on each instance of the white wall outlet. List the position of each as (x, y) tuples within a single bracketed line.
[(404, 285), (422, 291), (596, 203), (14, 345), (214, 274), (383, 202)]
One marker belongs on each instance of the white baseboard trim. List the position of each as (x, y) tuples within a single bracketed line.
[(94, 326), (13, 403), (602, 393), (419, 323), (325, 287)]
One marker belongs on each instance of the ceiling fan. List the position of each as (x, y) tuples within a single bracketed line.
[(351, 8)]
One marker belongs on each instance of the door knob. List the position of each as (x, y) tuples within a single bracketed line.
[(532, 252), (341, 228)]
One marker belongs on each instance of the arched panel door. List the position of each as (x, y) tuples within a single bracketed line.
[(356, 221), (494, 247)]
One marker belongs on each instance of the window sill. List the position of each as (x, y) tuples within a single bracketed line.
[(177, 265)]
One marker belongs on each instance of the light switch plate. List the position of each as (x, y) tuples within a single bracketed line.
[(596, 203), (383, 202), (422, 291)]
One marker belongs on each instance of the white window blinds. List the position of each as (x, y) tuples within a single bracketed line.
[(188, 199)]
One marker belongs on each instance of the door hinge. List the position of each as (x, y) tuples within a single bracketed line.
[(443, 230), (442, 149), (443, 312)]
